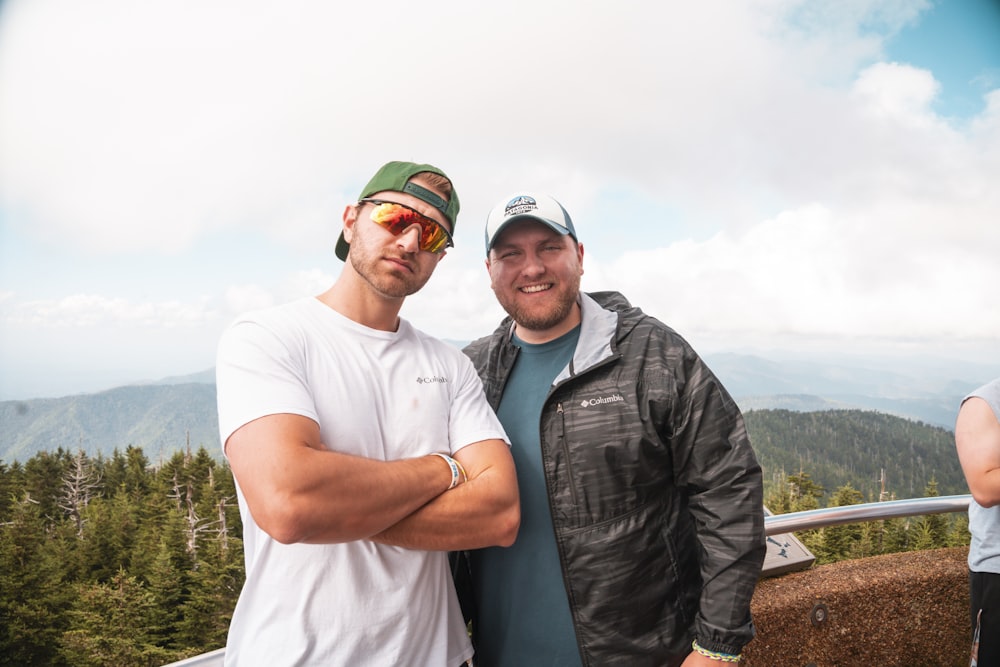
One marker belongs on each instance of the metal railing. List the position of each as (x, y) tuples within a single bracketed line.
[(773, 525), (889, 509)]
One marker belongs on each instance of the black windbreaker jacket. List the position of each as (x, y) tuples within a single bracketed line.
[(655, 491)]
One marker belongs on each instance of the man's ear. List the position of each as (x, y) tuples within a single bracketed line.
[(579, 256), (350, 217)]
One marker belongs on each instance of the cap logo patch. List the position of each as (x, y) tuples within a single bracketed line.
[(519, 205)]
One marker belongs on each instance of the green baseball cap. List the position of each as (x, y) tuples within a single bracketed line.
[(395, 177)]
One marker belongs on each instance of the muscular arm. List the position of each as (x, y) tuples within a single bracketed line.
[(977, 438), (483, 512), (298, 491)]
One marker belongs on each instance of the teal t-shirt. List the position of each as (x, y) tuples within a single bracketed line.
[(524, 616)]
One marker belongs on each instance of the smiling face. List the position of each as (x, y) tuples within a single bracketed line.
[(393, 265), (535, 274)]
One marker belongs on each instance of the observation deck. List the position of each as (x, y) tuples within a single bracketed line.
[(907, 609)]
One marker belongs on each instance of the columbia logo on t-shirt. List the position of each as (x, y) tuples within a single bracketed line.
[(433, 378)]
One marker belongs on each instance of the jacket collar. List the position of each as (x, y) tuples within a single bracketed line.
[(597, 337)]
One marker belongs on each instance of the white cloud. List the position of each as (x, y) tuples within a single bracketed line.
[(800, 273), (307, 283), (897, 91), (159, 123), (812, 191), (243, 298), (92, 310), (88, 342), (457, 303)]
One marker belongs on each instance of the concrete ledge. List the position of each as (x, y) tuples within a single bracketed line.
[(908, 609)]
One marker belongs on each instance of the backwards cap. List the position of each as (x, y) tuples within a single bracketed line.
[(395, 177), (527, 206)]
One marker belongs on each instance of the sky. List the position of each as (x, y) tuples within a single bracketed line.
[(813, 179)]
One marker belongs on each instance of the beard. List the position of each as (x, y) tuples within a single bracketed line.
[(545, 314), (395, 283), (389, 282)]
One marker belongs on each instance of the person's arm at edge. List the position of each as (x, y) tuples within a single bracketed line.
[(483, 512), (300, 492), (977, 439)]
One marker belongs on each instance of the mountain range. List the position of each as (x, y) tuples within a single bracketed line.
[(164, 416), (924, 390)]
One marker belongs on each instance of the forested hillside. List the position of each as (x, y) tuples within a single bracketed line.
[(838, 447), (112, 561)]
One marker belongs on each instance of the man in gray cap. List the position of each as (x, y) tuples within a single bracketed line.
[(642, 525), (363, 451)]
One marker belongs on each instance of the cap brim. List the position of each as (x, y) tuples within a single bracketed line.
[(343, 247), (552, 224)]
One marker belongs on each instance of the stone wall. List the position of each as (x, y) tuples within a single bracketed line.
[(909, 609)]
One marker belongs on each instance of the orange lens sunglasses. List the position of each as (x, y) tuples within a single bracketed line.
[(397, 218)]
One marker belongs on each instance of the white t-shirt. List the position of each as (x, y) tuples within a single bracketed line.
[(378, 394)]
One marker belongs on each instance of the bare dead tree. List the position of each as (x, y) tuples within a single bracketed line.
[(223, 529), (80, 484), (222, 526), (175, 493)]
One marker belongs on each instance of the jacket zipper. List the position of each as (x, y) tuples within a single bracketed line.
[(563, 440), (564, 444)]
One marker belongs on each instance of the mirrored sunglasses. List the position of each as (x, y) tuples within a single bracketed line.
[(397, 218)]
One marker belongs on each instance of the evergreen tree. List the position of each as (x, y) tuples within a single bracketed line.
[(168, 586), (137, 477), (33, 594), (215, 587), (932, 529), (898, 535), (838, 541), (109, 535), (922, 537), (113, 471), (958, 535), (11, 485), (110, 626), (869, 542), (804, 492), (43, 475)]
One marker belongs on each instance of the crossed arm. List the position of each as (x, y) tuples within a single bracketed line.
[(300, 492), (977, 437)]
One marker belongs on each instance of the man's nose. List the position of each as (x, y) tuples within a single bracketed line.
[(533, 264), (409, 238)]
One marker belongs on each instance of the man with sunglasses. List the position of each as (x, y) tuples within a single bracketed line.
[(642, 526), (363, 451)]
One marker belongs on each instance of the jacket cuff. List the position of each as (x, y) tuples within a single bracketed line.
[(717, 640)]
